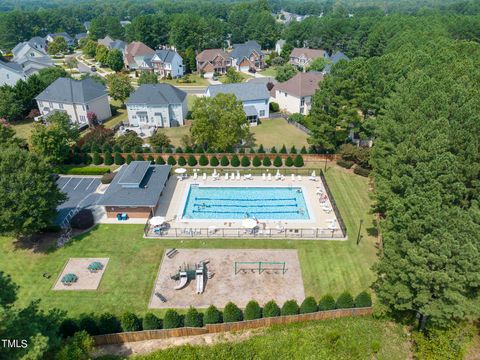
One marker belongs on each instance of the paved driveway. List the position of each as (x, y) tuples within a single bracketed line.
[(80, 192)]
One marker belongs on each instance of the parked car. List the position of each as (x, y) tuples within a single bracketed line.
[(93, 68)]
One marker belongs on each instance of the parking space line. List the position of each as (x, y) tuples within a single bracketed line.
[(63, 187), (75, 188), (90, 184)]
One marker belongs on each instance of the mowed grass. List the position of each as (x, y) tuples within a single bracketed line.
[(23, 128), (275, 132), (327, 266)]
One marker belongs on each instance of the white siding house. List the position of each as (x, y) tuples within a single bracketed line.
[(10, 73), (157, 105)]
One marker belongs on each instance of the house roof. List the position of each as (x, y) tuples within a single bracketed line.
[(165, 55), (13, 66), (106, 41), (67, 37), (80, 36), (68, 90), (136, 48), (211, 54), (243, 91), (335, 58), (30, 44), (308, 53), (118, 44), (149, 182), (250, 110), (157, 94), (245, 50), (302, 84)]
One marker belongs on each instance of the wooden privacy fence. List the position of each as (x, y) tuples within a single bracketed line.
[(133, 336)]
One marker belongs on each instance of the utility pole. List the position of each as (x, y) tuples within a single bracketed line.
[(359, 230)]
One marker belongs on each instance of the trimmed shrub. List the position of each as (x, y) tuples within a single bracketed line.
[(192, 161), (261, 150), (118, 159), (293, 150), (290, 307), (172, 320), (251, 151), (241, 151), (179, 150), (224, 161), (87, 159), (309, 305), (212, 315), (68, 327), (266, 161), (213, 161), (108, 159), (107, 178), (117, 148), (271, 309), (129, 159), (181, 161), (274, 107), (298, 162), (327, 302), (235, 161), (160, 161), (130, 322), (199, 149), (347, 164), (232, 313), (345, 301), (210, 151), (138, 149), (171, 161), (288, 161), (83, 170), (273, 150), (311, 150), (188, 150), (106, 148), (82, 220), (277, 162), (151, 322), (193, 318), (203, 161), (253, 310), (303, 150), (109, 324), (283, 150), (88, 323), (363, 300), (361, 171), (229, 149), (139, 157), (256, 161), (245, 161), (168, 150), (77, 158)]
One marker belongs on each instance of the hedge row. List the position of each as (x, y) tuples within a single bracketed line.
[(234, 160), (109, 324), (85, 170)]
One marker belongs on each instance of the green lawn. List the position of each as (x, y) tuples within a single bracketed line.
[(23, 128), (275, 132), (199, 81), (271, 71), (327, 266), (175, 134), (243, 76)]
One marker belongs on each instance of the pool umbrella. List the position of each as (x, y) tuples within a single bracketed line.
[(249, 223), (95, 266), (69, 278), (180, 171), (157, 220)]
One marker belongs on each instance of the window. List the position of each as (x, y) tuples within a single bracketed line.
[(82, 118), (262, 112), (60, 106), (88, 108), (302, 102), (266, 101), (50, 104)]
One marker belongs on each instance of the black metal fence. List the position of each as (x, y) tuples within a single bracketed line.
[(341, 223), (300, 127)]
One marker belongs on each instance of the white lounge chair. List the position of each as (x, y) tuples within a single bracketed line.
[(195, 175), (232, 176), (247, 177), (269, 177), (239, 177), (226, 176), (204, 177), (264, 176), (299, 177), (293, 177), (313, 177)]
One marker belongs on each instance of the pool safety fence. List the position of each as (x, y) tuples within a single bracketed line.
[(340, 221)]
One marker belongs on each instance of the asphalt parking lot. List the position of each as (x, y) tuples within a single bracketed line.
[(80, 191)]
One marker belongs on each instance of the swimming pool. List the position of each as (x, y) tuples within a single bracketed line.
[(264, 203)]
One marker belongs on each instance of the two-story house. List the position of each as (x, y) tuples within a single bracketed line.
[(303, 56), (76, 98), (157, 105), (165, 63), (68, 39), (254, 97), (35, 47), (110, 43), (135, 53), (212, 61), (10, 73), (247, 56), (295, 95)]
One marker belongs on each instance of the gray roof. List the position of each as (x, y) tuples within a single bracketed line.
[(250, 110), (335, 58), (157, 94), (243, 91), (166, 55), (152, 181), (37, 42), (66, 36), (67, 90), (118, 44), (241, 51), (12, 66), (80, 36)]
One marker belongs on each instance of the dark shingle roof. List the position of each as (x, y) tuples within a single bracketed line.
[(243, 91), (72, 91), (146, 194), (166, 55), (241, 51), (157, 94), (12, 66), (302, 84)]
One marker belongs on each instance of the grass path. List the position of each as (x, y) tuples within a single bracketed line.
[(327, 266)]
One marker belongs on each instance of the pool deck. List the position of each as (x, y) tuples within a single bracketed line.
[(319, 226)]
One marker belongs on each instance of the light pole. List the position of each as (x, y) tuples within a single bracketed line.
[(359, 230), (325, 167)]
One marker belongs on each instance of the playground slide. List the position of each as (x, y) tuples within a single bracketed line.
[(183, 281), (200, 281)]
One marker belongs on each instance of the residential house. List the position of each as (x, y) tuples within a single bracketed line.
[(76, 98), (212, 61), (135, 190), (303, 56), (80, 36), (157, 105), (110, 43), (247, 56), (35, 47), (279, 46), (254, 97), (334, 59), (295, 95), (135, 53), (165, 63), (10, 73), (69, 40)]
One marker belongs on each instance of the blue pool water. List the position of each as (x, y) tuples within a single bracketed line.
[(264, 203)]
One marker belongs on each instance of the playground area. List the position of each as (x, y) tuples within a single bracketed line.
[(81, 274), (202, 277)]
